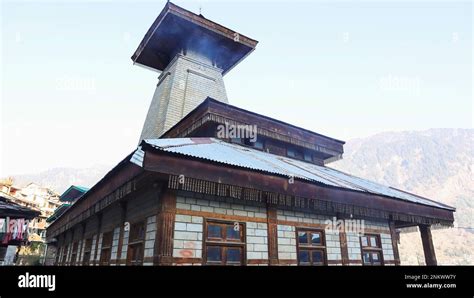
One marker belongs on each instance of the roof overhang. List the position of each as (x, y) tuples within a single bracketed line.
[(72, 193), (177, 29), (211, 110), (14, 210), (166, 163), (148, 160)]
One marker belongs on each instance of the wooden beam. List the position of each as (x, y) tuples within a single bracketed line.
[(344, 247), (165, 228), (272, 235), (428, 247), (123, 172), (394, 236), (227, 174)]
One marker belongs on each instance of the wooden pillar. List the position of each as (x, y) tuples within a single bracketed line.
[(343, 243), (165, 228), (272, 235), (428, 247), (394, 235), (123, 215)]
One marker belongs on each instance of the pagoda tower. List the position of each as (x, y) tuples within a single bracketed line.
[(192, 55)]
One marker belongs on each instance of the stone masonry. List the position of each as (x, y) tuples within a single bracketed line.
[(149, 240), (188, 231), (287, 235), (192, 211), (115, 241), (186, 82)]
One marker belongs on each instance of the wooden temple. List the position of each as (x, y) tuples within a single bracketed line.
[(195, 192)]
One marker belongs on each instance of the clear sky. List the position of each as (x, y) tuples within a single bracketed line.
[(72, 98)]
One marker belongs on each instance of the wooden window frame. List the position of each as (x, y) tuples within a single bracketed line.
[(223, 242), (299, 154), (311, 247), (371, 249), (102, 260), (262, 141), (135, 241), (247, 143)]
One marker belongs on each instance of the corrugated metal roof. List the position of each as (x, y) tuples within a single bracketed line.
[(236, 155)]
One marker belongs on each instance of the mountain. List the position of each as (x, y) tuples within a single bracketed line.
[(435, 163), (59, 179)]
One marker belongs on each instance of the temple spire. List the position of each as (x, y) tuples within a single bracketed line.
[(193, 54)]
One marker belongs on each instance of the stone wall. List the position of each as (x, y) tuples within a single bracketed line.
[(149, 247), (286, 243), (192, 211), (371, 227), (387, 248), (123, 255), (257, 241), (188, 232), (115, 242), (224, 207), (287, 235), (93, 251), (353, 248), (99, 248), (186, 82)]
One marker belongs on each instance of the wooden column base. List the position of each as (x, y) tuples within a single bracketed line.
[(272, 236)]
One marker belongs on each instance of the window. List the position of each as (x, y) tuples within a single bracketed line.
[(292, 152), (371, 250), (308, 156), (135, 244), (225, 243), (311, 247), (106, 249), (258, 144), (237, 140), (87, 252)]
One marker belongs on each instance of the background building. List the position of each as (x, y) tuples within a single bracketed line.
[(14, 231)]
